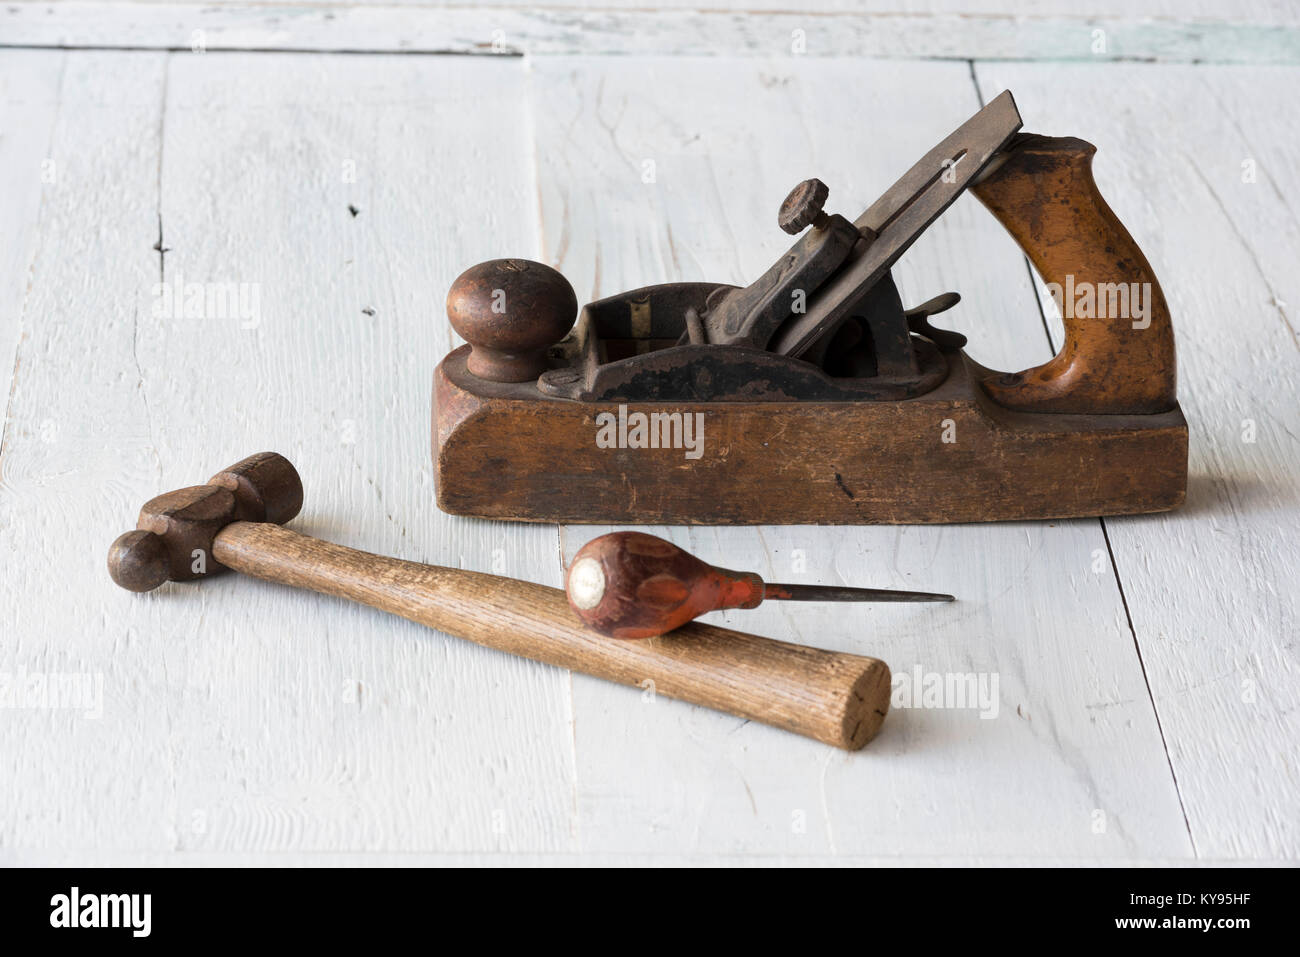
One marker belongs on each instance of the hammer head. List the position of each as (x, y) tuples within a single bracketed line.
[(172, 541)]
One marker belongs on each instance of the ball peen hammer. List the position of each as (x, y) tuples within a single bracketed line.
[(234, 522)]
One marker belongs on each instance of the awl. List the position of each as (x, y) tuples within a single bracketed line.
[(633, 585)]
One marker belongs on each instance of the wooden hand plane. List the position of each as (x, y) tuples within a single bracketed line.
[(812, 396)]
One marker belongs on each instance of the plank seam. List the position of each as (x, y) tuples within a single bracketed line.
[(162, 266), (405, 29), (1110, 552), (336, 51), (1137, 648), (561, 54)]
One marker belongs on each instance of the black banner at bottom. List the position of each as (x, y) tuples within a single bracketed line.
[(330, 907)]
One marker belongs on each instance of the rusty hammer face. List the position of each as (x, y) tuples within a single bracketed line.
[(172, 540)]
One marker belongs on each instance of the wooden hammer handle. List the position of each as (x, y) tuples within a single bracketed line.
[(837, 698)]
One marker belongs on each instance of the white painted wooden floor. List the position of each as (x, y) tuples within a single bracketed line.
[(1148, 698)]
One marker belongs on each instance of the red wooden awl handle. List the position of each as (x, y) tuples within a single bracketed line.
[(633, 585)]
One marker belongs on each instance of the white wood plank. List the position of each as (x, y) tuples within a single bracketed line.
[(238, 715), (1264, 31), (1266, 10), (76, 436), (29, 92), (1211, 586), (1075, 738)]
